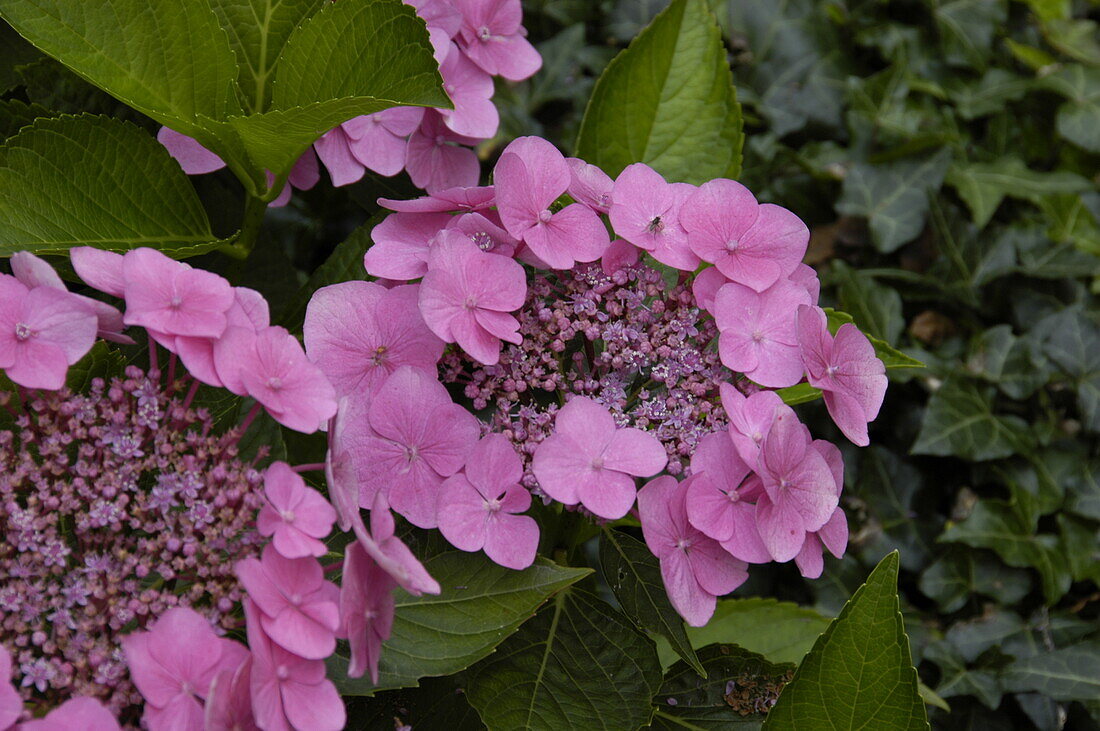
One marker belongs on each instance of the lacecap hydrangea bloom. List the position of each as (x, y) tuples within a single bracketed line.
[(561, 336), (155, 575), (473, 42)]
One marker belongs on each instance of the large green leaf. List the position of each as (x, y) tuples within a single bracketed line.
[(480, 605), (859, 674), (780, 631), (994, 524), (1014, 363), (966, 29), (15, 115), (258, 31), (959, 574), (169, 60), (959, 422), (667, 100), (577, 664), (893, 196), (740, 688), (634, 575), (984, 185), (95, 181), (1069, 674)]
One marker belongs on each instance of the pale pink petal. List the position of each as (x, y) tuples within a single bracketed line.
[(192, 157), (335, 152), (692, 602), (99, 269), (513, 541), (635, 452)]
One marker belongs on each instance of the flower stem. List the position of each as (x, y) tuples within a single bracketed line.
[(312, 467), (240, 246), (250, 417)]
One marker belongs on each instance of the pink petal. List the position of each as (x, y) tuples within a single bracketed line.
[(635, 452), (465, 522), (513, 541), (609, 494), (493, 465), (780, 529), (717, 572), (192, 157), (333, 149), (99, 269), (810, 560), (315, 707), (693, 603)]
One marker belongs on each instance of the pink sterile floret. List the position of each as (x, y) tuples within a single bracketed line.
[(645, 210), (375, 141), (590, 185), (483, 502), (229, 702), (390, 552), (719, 498), (172, 298), (11, 703), (758, 332), (402, 244), (471, 91), (591, 461), (492, 37), (34, 272), (366, 610), (173, 663), (413, 437), (75, 714), (297, 517), (300, 610), (436, 158), (834, 534), (358, 333), (751, 418), (288, 691), (800, 489), (454, 199), (42, 332), (530, 176), (694, 567), (99, 269), (271, 367), (753, 244), (846, 369), (467, 296)]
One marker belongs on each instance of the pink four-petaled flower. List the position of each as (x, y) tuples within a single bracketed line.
[(295, 516), (483, 502), (590, 460), (696, 570)]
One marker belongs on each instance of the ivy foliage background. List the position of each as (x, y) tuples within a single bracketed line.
[(947, 158)]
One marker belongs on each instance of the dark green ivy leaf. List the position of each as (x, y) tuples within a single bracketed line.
[(959, 422)]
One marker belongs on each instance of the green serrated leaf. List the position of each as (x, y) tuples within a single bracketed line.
[(893, 196), (780, 631), (1013, 363), (169, 60), (959, 422), (577, 664), (802, 393), (480, 605), (859, 674), (634, 575), (95, 181), (15, 115), (961, 573), (740, 687), (890, 356), (984, 185), (258, 31), (667, 100)]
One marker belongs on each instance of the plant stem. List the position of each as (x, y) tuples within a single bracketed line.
[(242, 243)]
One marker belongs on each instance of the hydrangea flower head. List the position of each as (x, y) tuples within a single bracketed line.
[(645, 210), (493, 38)]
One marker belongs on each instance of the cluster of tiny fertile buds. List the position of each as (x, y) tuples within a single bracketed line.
[(472, 41), (759, 487), (189, 675)]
